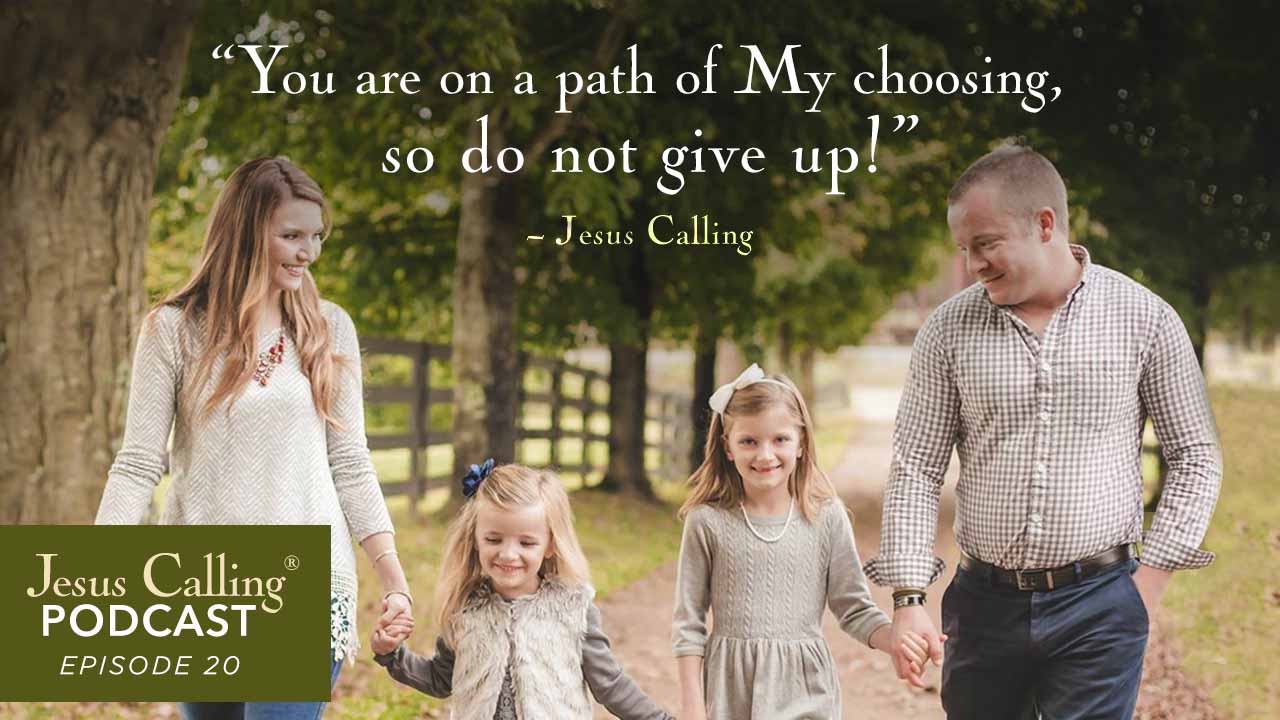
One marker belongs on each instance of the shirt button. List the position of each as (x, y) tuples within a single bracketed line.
[(1044, 367), (1034, 518), (1040, 468), (1044, 416)]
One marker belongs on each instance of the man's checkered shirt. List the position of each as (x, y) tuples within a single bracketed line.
[(1049, 434)]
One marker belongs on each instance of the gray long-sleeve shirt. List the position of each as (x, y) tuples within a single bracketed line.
[(608, 682), (266, 459)]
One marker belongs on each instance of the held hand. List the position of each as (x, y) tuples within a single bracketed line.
[(402, 626), (917, 649), (912, 633), (1151, 583), (383, 642), (394, 605)]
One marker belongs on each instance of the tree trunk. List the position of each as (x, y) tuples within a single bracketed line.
[(485, 381), (628, 390), (786, 351), (805, 360), (87, 95), (704, 383), (628, 383)]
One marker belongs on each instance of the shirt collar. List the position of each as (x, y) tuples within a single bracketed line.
[(1081, 254), (1087, 268)]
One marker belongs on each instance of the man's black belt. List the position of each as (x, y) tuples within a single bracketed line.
[(1049, 578)]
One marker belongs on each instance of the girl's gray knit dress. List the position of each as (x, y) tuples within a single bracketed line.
[(270, 460), (765, 657)]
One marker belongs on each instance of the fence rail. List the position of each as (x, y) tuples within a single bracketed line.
[(666, 413)]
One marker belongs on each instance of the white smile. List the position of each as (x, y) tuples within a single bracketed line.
[(767, 470), (295, 270), (508, 569)]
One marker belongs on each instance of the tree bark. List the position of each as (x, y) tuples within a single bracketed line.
[(485, 347), (88, 93), (704, 383), (786, 350), (485, 381), (628, 390), (628, 382)]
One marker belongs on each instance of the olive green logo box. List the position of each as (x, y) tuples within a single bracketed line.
[(166, 612)]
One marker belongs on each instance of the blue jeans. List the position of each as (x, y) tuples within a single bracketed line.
[(1073, 653), (259, 710)]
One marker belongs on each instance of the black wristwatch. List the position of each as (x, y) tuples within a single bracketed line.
[(907, 598)]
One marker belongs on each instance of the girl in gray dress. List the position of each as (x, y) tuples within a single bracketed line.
[(766, 545)]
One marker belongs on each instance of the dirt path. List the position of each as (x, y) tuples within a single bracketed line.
[(638, 617)]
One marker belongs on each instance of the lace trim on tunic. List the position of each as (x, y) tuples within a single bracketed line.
[(343, 639)]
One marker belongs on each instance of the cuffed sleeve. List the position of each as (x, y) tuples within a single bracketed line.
[(1172, 390), (923, 437), (431, 675)]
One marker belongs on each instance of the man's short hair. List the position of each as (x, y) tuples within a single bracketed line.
[(1028, 182)]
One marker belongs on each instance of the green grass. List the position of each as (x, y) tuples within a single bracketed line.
[(1227, 616)]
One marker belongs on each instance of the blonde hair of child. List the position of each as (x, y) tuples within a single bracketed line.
[(507, 487), (717, 482)]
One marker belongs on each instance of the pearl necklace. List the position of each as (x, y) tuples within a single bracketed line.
[(755, 532)]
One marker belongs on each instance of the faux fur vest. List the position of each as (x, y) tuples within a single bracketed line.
[(539, 636)]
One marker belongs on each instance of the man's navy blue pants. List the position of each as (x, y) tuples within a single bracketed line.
[(1072, 653)]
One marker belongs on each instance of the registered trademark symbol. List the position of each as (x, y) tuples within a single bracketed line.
[(292, 562)]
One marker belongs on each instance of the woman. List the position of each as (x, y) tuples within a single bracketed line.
[(259, 380)]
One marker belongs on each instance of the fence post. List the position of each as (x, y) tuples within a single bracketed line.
[(668, 434), (557, 375), (522, 362), (588, 439), (419, 397), (419, 424)]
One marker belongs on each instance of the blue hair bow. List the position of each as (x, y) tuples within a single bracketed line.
[(476, 475)]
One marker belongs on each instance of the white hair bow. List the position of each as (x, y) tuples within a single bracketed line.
[(720, 398)]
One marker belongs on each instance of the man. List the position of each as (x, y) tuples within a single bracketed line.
[(1042, 376)]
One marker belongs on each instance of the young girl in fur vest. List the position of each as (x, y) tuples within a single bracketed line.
[(520, 635)]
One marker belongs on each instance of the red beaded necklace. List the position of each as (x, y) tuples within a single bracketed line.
[(268, 360)]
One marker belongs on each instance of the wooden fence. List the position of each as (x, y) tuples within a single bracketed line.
[(668, 428)]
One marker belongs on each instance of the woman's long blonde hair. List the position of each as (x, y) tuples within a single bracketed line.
[(717, 482), (222, 298), (507, 487)]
